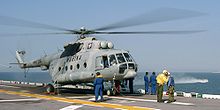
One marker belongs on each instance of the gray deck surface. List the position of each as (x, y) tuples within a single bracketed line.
[(12, 102)]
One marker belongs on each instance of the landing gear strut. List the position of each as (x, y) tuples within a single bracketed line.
[(112, 91), (115, 88), (131, 88)]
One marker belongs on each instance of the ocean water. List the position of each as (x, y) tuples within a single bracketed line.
[(42, 77), (185, 81), (200, 82)]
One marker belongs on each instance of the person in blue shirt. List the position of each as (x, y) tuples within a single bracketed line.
[(153, 83), (171, 85), (98, 85), (146, 83)]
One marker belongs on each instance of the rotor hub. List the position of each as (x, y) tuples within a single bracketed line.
[(82, 29)]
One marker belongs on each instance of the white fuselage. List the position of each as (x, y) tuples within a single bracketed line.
[(80, 61)]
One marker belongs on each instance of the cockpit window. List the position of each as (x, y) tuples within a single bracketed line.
[(120, 58), (128, 57), (112, 60)]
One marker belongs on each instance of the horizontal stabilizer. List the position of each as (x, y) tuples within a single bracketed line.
[(15, 63)]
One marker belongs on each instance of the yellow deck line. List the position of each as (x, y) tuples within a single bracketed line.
[(108, 105)]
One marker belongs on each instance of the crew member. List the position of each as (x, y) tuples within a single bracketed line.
[(162, 78), (153, 83), (146, 83), (170, 85), (98, 84)]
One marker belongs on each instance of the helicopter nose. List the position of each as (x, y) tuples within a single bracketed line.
[(130, 74)]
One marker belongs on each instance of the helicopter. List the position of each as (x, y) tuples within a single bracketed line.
[(81, 59)]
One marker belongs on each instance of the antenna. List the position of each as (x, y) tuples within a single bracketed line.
[(45, 54)]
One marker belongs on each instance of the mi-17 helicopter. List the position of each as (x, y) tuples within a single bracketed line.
[(81, 59)]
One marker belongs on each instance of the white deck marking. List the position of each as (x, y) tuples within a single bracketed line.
[(72, 107), (125, 101), (145, 100), (9, 86), (93, 99), (182, 103), (83, 102), (123, 98), (20, 100)]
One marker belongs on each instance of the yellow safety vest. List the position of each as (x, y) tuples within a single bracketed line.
[(162, 79), (99, 76)]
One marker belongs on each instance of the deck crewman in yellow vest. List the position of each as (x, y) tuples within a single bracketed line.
[(162, 79), (171, 85)]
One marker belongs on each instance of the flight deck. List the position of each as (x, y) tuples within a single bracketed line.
[(34, 97)]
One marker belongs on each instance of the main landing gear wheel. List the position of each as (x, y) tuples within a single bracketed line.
[(50, 88), (111, 92)]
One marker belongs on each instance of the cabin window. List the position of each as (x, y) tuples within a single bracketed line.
[(77, 66), (71, 67), (105, 61), (120, 58), (99, 63), (66, 67), (85, 64), (112, 60), (127, 57), (102, 62), (59, 68)]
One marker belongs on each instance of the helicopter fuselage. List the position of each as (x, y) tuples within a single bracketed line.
[(80, 61)]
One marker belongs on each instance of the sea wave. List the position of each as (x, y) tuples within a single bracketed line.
[(188, 80), (216, 72)]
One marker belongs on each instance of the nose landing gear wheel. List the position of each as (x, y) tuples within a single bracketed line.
[(111, 92)]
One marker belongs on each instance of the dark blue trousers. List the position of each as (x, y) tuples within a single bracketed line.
[(146, 87), (153, 89), (98, 92)]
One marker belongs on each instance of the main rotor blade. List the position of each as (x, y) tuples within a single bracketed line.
[(153, 32), (33, 34), (156, 16), (11, 21)]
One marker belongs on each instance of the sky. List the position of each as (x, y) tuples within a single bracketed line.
[(198, 52)]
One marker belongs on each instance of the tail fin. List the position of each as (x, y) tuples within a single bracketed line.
[(20, 56), (20, 60)]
